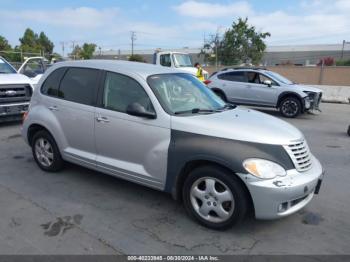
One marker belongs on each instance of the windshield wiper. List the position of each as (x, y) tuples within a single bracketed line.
[(195, 111)]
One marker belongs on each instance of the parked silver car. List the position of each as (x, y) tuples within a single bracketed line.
[(260, 87), (165, 129)]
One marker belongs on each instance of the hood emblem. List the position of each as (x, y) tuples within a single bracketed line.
[(10, 92)]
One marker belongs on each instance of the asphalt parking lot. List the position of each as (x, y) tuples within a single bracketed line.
[(78, 211)]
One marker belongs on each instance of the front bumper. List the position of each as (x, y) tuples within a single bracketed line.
[(282, 196), (13, 109)]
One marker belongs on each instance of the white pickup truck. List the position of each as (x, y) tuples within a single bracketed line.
[(16, 87), (178, 60)]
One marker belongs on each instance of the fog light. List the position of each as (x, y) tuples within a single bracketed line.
[(283, 207)]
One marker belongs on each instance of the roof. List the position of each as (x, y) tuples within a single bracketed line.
[(130, 68)]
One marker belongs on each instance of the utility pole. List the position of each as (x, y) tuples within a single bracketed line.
[(133, 38), (62, 44), (343, 49), (73, 46)]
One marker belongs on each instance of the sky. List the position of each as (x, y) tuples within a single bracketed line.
[(173, 24)]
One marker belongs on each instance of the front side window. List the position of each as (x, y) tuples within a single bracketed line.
[(33, 68), (263, 78), (238, 76), (51, 84), (279, 78), (121, 91), (183, 92), (79, 85), (165, 60)]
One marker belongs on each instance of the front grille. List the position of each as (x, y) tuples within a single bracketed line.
[(15, 93), (300, 154)]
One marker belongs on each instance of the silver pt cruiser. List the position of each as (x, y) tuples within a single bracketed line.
[(164, 129)]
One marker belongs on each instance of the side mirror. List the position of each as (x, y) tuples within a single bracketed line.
[(135, 109), (268, 83)]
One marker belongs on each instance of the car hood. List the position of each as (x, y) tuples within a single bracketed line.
[(307, 88), (239, 124), (8, 79)]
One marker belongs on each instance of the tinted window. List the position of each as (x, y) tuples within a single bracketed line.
[(233, 76), (121, 91), (79, 85), (52, 82), (165, 60)]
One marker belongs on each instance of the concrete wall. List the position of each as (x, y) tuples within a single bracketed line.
[(329, 75)]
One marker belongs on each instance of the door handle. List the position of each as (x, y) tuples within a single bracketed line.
[(102, 119), (53, 108)]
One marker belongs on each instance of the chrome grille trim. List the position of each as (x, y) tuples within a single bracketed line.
[(300, 155)]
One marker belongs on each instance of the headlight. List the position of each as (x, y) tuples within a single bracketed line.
[(263, 169)]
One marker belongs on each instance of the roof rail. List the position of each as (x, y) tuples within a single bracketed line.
[(243, 67)]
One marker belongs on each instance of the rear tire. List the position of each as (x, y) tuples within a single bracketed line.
[(349, 130), (46, 152), (290, 107), (215, 197)]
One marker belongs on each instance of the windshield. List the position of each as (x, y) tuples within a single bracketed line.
[(182, 60), (5, 68), (179, 93), (279, 78)]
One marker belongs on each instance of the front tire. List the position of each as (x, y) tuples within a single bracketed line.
[(215, 197), (290, 107), (46, 152)]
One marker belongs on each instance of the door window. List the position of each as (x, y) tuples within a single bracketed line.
[(79, 85), (238, 76), (165, 60), (51, 84), (263, 78), (253, 78), (120, 91), (33, 68)]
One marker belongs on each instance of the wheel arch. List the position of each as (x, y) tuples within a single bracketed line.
[(218, 90), (196, 163), (290, 94), (33, 129)]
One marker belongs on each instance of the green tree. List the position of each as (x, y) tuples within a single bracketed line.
[(137, 58), (5, 47), (75, 54), (4, 44), (45, 43), (87, 50), (343, 63), (241, 43)]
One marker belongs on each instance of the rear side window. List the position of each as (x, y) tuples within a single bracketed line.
[(52, 82), (165, 60), (233, 76), (79, 85)]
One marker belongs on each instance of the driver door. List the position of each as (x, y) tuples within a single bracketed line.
[(131, 147), (261, 93)]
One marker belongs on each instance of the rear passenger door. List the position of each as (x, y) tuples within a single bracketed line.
[(131, 147), (234, 86), (73, 105)]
